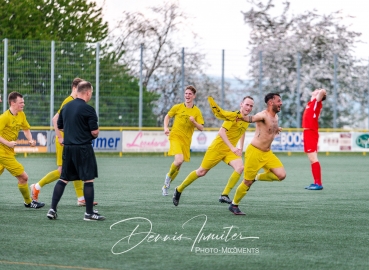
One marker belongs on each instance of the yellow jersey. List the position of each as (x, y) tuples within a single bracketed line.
[(10, 125), (182, 127), (235, 130)]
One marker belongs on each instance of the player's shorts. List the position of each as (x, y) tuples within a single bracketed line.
[(11, 164), (256, 159), (59, 152), (213, 157), (79, 163), (311, 138), (177, 146)]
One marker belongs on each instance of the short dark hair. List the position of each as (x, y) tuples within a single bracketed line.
[(84, 86), (76, 81), (247, 97), (12, 97), (192, 88), (270, 96)]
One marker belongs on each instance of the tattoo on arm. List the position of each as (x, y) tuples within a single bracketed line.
[(250, 119)]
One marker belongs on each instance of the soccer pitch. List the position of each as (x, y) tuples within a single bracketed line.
[(285, 227)]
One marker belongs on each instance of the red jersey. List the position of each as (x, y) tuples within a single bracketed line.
[(311, 115)]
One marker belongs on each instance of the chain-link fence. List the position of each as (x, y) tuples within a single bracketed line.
[(43, 71)]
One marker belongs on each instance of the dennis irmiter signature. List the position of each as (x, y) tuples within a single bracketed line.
[(136, 237)]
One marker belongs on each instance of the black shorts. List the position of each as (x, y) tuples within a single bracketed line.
[(79, 163)]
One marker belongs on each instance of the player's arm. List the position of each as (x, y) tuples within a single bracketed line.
[(322, 93), (166, 124), (254, 118), (59, 122), (197, 125), (223, 134), (10, 144), (3, 123), (28, 135), (57, 130), (93, 123)]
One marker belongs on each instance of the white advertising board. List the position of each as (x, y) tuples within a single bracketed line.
[(202, 140), (334, 142), (145, 141), (157, 141)]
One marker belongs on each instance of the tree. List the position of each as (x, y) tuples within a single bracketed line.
[(30, 25), (73, 25), (315, 39), (162, 57), (59, 20)]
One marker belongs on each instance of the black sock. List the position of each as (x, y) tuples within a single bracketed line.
[(57, 194), (88, 190)]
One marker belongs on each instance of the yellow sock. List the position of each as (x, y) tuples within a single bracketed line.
[(232, 181), (173, 172), (23, 188), (189, 179), (240, 193), (174, 176), (78, 187), (267, 176), (48, 178)]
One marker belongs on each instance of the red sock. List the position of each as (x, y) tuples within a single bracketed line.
[(317, 174)]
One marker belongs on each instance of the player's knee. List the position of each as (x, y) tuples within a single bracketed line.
[(248, 182), (23, 178), (281, 176), (239, 169), (178, 162), (201, 172)]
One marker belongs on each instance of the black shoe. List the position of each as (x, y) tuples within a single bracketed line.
[(235, 210), (94, 216), (225, 199), (34, 204), (176, 197), (52, 214)]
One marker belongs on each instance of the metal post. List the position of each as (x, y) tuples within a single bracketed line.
[(222, 78), (183, 73), (97, 86), (52, 76), (141, 90), (260, 80), (335, 93), (298, 118), (5, 90), (367, 96)]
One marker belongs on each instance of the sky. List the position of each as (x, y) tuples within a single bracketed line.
[(220, 25)]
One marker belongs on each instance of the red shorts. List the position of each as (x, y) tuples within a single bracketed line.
[(311, 138)]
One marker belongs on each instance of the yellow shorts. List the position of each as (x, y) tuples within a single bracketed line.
[(213, 157), (59, 152), (11, 164), (256, 159), (177, 146)]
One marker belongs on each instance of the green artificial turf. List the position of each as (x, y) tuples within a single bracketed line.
[(285, 227)]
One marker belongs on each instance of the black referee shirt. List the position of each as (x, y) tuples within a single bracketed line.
[(77, 119)]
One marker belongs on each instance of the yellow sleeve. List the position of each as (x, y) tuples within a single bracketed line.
[(67, 100), (220, 113)]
